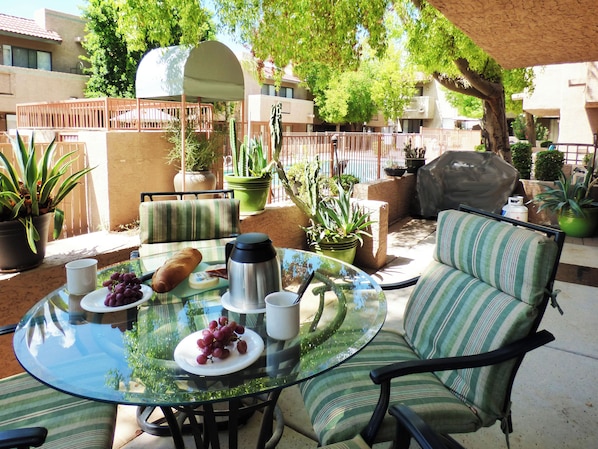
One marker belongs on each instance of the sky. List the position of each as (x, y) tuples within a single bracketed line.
[(26, 8)]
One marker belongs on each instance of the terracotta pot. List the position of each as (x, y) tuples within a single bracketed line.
[(15, 253)]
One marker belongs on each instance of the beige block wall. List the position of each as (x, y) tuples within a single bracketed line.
[(399, 193), (127, 163), (281, 222)]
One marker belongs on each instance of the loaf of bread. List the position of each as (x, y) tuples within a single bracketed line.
[(175, 270)]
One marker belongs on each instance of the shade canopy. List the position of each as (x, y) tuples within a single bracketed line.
[(207, 72)]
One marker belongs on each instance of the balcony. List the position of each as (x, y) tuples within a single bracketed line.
[(420, 108)]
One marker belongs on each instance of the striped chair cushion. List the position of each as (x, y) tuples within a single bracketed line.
[(71, 422), (477, 318), (188, 220), (341, 401), (514, 260)]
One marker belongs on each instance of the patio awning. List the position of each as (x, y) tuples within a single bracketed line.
[(207, 72)]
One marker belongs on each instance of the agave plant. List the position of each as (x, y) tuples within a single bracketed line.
[(337, 218), (568, 194), (33, 187)]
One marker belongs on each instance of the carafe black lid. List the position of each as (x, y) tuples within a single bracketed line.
[(253, 247)]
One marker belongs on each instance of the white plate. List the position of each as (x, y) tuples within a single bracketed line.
[(186, 352), (94, 301), (230, 306)]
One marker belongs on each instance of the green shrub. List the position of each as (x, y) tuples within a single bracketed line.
[(481, 148), (549, 164), (521, 153)]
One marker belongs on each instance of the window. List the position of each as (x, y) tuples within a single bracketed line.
[(269, 89), (26, 57)]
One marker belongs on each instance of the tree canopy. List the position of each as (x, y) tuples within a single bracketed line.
[(335, 36)]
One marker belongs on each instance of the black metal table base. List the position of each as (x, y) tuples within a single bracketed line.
[(205, 422)]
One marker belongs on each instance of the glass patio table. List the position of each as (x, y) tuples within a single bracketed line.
[(126, 356)]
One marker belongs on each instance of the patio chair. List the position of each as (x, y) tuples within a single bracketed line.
[(202, 222), (469, 321), (34, 415)]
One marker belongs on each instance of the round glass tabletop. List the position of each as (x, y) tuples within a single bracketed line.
[(127, 356)]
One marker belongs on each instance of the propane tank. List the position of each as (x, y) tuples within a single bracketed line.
[(516, 209)]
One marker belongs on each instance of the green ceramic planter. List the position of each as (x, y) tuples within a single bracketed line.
[(580, 227), (251, 192)]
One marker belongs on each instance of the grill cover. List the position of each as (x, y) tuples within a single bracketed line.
[(477, 179)]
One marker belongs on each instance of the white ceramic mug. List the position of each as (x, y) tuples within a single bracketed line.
[(81, 276), (282, 315)]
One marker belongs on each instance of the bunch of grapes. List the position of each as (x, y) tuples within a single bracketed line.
[(123, 289), (217, 340)]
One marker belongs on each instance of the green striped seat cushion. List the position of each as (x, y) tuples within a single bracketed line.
[(514, 260), (188, 220), (71, 422), (340, 402)]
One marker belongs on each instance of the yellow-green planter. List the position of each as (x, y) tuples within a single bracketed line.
[(343, 250), (252, 192)]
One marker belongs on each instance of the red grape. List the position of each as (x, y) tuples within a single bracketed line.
[(218, 340)]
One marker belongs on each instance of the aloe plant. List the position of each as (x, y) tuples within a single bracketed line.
[(33, 187)]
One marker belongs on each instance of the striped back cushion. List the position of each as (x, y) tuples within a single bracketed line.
[(478, 295), (71, 422), (188, 220), (514, 260)]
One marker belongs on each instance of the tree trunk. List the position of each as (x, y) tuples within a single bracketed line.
[(495, 128), (530, 129)]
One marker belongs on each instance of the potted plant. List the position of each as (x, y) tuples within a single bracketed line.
[(31, 190), (201, 151), (392, 168), (338, 226), (570, 200), (415, 157), (252, 173)]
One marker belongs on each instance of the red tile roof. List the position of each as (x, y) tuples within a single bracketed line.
[(26, 27)]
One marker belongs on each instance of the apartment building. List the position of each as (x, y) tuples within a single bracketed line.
[(565, 100), (39, 61)]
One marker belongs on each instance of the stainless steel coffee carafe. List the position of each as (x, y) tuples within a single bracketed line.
[(253, 271)]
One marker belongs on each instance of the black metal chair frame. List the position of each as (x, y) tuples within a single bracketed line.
[(222, 193)]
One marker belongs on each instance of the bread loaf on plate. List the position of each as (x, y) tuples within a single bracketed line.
[(175, 270)]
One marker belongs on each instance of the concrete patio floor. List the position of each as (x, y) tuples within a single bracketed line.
[(555, 399)]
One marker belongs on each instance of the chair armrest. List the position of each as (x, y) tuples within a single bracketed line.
[(508, 352), (401, 284), (410, 425), (23, 438), (382, 376), (8, 329)]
